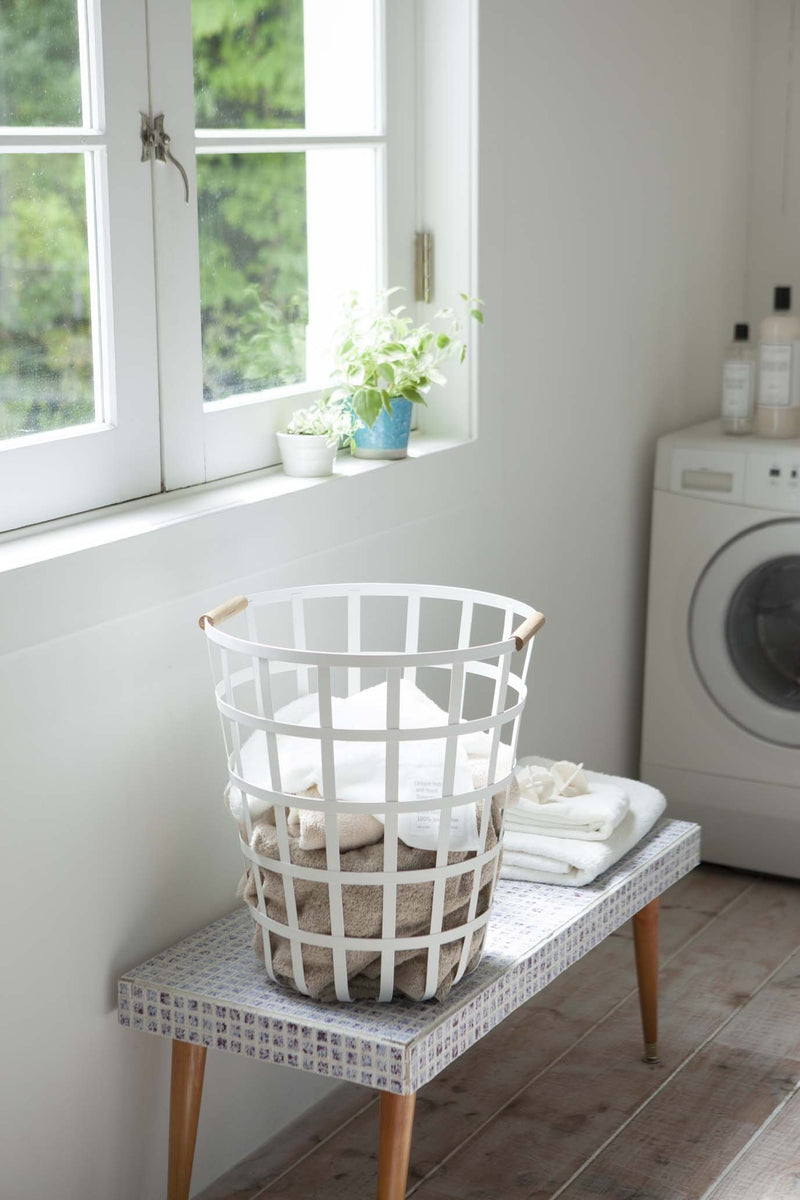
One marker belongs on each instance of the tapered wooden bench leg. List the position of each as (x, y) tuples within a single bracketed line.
[(188, 1067), (645, 940), (394, 1144)]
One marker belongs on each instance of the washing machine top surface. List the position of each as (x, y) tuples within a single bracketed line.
[(704, 463)]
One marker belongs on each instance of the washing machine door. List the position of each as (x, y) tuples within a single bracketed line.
[(744, 630)]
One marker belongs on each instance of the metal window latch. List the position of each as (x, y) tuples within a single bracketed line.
[(155, 146)]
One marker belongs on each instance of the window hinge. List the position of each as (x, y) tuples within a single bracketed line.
[(423, 267), (155, 146)]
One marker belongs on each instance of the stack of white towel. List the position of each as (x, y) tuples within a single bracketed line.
[(570, 825)]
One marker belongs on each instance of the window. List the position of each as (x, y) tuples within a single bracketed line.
[(147, 343), (78, 370)]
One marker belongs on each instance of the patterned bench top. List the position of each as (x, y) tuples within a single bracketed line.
[(211, 989)]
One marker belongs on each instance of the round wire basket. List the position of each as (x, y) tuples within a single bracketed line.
[(431, 667)]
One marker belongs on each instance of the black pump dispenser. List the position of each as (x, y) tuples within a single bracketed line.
[(741, 332), (783, 299)]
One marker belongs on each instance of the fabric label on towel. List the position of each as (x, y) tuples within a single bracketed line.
[(421, 829)]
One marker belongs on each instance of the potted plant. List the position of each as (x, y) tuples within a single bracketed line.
[(384, 364), (313, 435)]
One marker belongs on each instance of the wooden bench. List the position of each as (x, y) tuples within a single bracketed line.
[(210, 990)]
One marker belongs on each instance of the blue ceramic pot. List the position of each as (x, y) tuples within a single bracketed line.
[(388, 437)]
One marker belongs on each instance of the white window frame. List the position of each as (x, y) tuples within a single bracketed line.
[(155, 433), (117, 456)]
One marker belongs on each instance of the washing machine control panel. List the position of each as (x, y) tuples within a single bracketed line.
[(772, 480), (767, 477)]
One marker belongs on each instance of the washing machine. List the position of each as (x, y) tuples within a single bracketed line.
[(721, 721)]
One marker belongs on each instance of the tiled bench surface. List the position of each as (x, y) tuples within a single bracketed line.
[(210, 989)]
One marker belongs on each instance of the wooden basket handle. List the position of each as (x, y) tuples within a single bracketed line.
[(524, 632), (228, 608)]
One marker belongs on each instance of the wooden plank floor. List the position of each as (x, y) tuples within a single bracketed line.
[(557, 1103)]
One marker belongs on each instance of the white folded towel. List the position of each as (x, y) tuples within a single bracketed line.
[(360, 769), (539, 858), (561, 802), (357, 829)]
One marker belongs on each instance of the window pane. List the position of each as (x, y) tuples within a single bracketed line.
[(342, 242), (45, 315), (248, 64), (283, 239), (253, 271), (340, 66), (40, 80), (285, 64)]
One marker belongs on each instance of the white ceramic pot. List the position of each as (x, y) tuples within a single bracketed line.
[(306, 455)]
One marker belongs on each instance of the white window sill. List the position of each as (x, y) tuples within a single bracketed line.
[(105, 526)]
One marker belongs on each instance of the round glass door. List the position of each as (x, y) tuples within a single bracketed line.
[(744, 631), (762, 630)]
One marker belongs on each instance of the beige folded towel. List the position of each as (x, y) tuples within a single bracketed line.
[(363, 915), (308, 826)]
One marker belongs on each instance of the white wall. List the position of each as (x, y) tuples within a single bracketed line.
[(774, 152), (614, 259), (612, 262)]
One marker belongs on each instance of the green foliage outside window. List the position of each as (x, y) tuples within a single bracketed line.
[(248, 74), (248, 70), (45, 345)]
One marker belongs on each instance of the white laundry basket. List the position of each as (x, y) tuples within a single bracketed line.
[(330, 642)]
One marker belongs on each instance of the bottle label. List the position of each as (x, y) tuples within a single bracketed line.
[(778, 375), (738, 389)]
